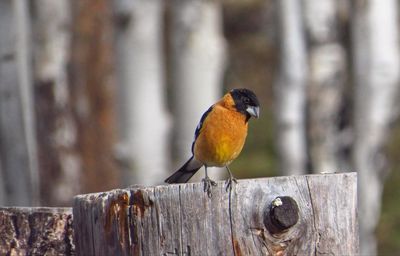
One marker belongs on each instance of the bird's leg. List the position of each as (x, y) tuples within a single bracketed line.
[(208, 183), (229, 181)]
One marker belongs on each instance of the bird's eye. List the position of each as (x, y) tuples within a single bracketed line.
[(246, 100)]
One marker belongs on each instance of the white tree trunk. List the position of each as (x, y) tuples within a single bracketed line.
[(56, 126), (198, 64), (327, 66), (52, 41), (17, 125), (290, 89), (377, 65), (144, 122)]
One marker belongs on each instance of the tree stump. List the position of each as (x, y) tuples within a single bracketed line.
[(294, 215), (36, 231)]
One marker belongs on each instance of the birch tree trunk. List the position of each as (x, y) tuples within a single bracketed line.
[(19, 172), (290, 89), (327, 68), (56, 127), (377, 56), (143, 120), (197, 66)]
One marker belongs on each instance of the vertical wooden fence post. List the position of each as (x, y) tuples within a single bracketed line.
[(294, 215)]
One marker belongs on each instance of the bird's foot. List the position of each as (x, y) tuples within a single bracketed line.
[(208, 183), (229, 183)]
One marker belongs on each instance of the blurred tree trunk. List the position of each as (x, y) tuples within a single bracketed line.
[(197, 67), (327, 73), (19, 173), (376, 58), (290, 89), (56, 127), (92, 93), (143, 120)]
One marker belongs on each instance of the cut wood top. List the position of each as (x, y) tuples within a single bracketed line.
[(182, 220)]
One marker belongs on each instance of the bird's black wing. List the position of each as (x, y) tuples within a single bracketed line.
[(200, 125)]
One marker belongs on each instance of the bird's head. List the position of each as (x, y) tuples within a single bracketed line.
[(246, 102)]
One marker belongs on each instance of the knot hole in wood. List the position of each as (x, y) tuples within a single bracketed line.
[(283, 214)]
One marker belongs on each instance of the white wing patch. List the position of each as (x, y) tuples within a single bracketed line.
[(200, 125)]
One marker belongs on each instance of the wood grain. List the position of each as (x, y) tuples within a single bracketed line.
[(182, 220)]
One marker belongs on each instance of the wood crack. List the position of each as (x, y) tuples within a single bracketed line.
[(314, 221), (181, 221), (159, 224), (231, 221)]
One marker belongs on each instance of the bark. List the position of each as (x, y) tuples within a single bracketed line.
[(327, 75), (20, 179), (376, 74), (92, 93), (56, 128), (290, 89), (143, 120), (197, 66), (36, 231), (183, 220)]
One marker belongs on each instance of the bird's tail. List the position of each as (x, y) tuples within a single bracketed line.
[(185, 172)]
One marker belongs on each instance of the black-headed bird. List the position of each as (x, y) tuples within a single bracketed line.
[(219, 136)]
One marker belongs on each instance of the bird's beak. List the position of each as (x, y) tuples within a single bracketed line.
[(253, 111)]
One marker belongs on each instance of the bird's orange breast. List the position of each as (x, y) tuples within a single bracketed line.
[(221, 137)]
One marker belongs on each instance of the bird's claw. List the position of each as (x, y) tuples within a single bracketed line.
[(208, 183), (229, 183)]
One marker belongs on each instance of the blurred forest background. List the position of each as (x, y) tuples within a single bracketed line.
[(99, 94)]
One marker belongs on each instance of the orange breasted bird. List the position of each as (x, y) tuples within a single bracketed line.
[(219, 136)]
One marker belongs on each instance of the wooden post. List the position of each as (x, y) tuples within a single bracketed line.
[(36, 231), (294, 215)]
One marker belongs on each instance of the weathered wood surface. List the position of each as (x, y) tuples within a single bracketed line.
[(182, 220), (36, 231)]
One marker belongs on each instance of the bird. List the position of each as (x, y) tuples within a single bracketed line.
[(219, 137)]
